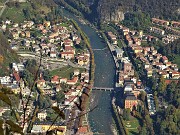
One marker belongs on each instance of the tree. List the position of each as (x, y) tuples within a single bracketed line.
[(126, 114), (162, 85), (46, 75), (59, 97), (142, 96)]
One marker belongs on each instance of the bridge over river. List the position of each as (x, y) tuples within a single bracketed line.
[(103, 88)]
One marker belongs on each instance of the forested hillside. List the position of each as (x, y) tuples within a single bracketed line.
[(110, 10), (7, 55)]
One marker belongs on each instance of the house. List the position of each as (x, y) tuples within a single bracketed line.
[(127, 67), (119, 53), (68, 42), (53, 54), (28, 34), (42, 115), (83, 130), (69, 49), (44, 126), (164, 59), (82, 59), (73, 81), (41, 83), (160, 66), (127, 88), (160, 22), (14, 88), (67, 55), (112, 37), (175, 74), (47, 23), (77, 41), (55, 79), (16, 77), (130, 101), (5, 80), (175, 24), (149, 72), (157, 30), (151, 104), (63, 80), (137, 41), (76, 72)]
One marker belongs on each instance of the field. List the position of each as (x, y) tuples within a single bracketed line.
[(177, 60), (17, 13), (132, 126), (14, 13), (65, 72)]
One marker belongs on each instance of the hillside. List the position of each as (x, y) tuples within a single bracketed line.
[(7, 55), (33, 10), (112, 10)]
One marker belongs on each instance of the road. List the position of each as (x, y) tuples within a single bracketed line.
[(4, 7)]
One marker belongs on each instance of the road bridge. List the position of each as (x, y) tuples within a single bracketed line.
[(103, 88)]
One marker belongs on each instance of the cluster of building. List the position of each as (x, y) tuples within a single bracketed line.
[(169, 38), (157, 30), (16, 84), (169, 26), (153, 61), (54, 41), (113, 38), (165, 23), (127, 79)]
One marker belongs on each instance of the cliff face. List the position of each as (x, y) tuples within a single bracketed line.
[(114, 10), (113, 16)]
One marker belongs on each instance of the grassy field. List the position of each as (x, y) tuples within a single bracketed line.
[(177, 60), (15, 13), (132, 126), (65, 72)]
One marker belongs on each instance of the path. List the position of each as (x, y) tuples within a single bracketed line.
[(4, 7), (76, 65)]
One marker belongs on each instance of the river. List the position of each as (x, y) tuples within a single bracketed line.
[(101, 118)]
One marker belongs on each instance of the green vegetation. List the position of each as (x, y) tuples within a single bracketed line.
[(65, 72), (132, 126), (119, 122), (36, 10), (172, 51), (87, 42), (137, 21), (69, 7), (7, 55), (15, 13)]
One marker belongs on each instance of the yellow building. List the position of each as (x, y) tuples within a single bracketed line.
[(42, 128)]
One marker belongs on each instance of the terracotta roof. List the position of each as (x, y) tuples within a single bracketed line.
[(16, 76), (67, 53), (83, 129)]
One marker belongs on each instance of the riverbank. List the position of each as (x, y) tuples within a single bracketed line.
[(100, 119)]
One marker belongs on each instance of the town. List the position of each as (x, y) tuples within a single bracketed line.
[(132, 55), (50, 84), (58, 49)]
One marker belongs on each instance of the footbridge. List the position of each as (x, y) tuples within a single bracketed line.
[(100, 49), (103, 88)]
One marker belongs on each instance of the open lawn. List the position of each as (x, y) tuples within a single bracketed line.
[(64, 24), (65, 72), (14, 13), (177, 60), (132, 126)]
